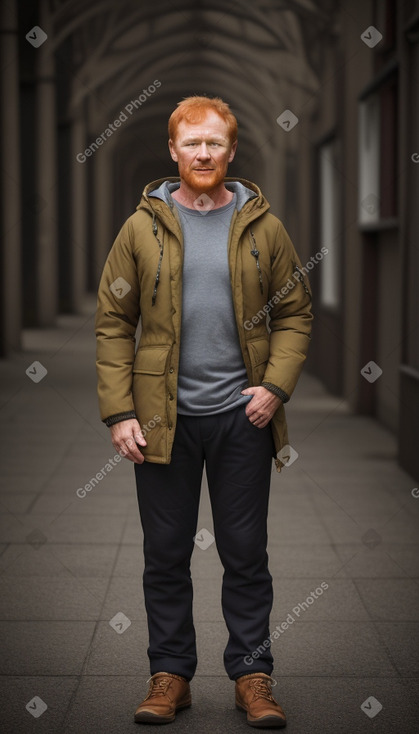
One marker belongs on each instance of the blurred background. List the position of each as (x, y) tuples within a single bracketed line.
[(326, 95), (341, 173)]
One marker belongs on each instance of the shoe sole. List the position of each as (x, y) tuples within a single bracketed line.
[(264, 722), (147, 717)]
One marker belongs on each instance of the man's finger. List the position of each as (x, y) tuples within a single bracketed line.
[(254, 411), (140, 438), (250, 407), (129, 450), (133, 454)]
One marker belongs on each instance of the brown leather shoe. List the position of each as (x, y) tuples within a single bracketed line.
[(254, 695), (167, 694)]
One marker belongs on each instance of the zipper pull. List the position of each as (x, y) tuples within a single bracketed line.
[(255, 252), (300, 277)]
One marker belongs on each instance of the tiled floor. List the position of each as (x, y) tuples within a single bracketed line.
[(342, 514)]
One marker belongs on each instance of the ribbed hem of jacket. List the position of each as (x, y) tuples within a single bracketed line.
[(276, 391), (118, 417)]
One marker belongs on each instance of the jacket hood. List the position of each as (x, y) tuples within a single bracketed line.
[(250, 200), (157, 200)]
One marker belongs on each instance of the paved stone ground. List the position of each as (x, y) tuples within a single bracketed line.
[(343, 514)]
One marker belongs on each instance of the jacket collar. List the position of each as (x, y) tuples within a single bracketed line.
[(166, 212), (251, 209)]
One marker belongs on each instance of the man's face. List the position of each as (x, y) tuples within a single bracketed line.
[(203, 151)]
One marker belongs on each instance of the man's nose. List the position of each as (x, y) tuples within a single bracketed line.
[(203, 151)]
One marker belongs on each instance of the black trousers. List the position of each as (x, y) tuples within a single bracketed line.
[(238, 459)]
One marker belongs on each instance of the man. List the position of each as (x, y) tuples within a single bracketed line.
[(202, 262)]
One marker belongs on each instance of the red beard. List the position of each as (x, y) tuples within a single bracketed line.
[(203, 182)]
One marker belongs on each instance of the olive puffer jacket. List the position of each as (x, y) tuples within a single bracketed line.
[(141, 285)]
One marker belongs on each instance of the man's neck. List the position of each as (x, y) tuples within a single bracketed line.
[(220, 196)]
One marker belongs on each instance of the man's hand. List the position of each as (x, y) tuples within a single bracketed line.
[(262, 407), (125, 436)]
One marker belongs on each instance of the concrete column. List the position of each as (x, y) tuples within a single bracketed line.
[(102, 197), (304, 239), (46, 177), (79, 237), (11, 284), (279, 178)]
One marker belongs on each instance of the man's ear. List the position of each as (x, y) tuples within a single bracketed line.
[(172, 150), (232, 151)]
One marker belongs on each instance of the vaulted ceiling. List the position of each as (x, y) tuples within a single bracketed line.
[(262, 57)]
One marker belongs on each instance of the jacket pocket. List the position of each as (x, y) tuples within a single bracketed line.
[(151, 360), (259, 354), (149, 382)]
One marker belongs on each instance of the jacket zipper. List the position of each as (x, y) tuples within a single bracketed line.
[(255, 252), (300, 278)]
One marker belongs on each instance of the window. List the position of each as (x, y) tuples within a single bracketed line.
[(378, 152), (369, 160), (329, 224)]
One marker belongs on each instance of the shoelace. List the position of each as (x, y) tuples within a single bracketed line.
[(159, 687), (262, 687)]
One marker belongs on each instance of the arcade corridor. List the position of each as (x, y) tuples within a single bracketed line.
[(326, 98)]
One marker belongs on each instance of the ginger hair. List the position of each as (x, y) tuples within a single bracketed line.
[(194, 109)]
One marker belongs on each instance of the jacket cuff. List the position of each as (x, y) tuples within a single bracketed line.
[(276, 391), (118, 417)]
